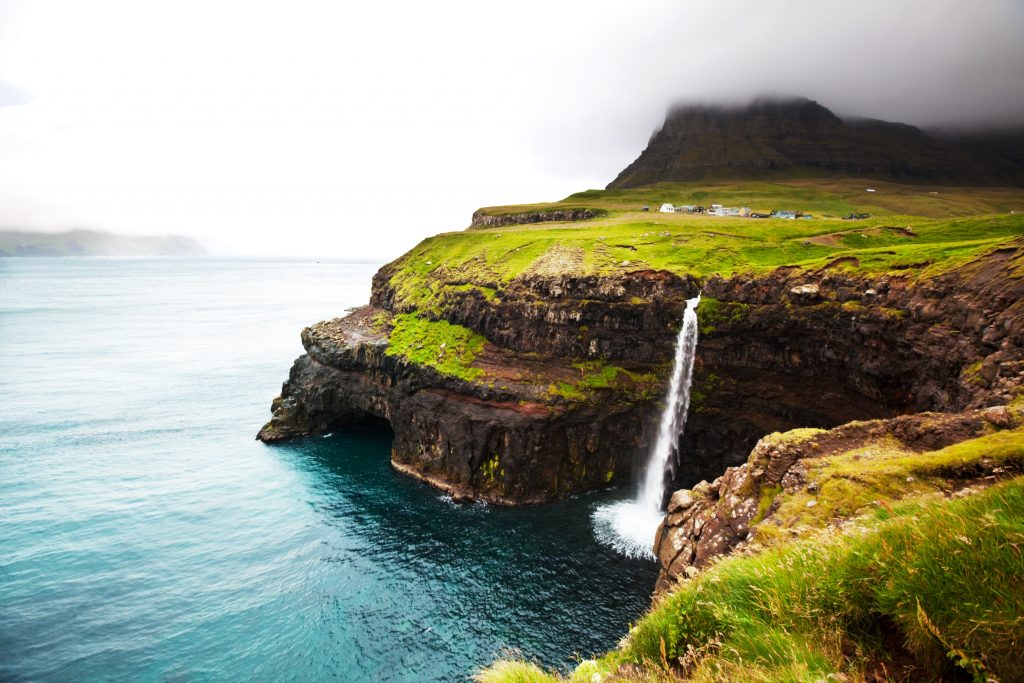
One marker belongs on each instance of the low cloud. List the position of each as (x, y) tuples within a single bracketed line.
[(271, 127)]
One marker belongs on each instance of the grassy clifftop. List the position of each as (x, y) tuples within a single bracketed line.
[(838, 197), (910, 232)]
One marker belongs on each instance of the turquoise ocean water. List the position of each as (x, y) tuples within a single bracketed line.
[(145, 536)]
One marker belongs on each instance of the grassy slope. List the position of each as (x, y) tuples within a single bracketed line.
[(449, 349), (944, 575), (630, 240), (817, 196), (851, 482)]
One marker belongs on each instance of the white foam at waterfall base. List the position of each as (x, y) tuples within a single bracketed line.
[(629, 526)]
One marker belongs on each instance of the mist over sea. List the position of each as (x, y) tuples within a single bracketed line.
[(146, 536)]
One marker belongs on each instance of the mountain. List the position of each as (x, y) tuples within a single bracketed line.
[(785, 138), (93, 243)]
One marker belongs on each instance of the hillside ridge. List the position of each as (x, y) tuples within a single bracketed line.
[(775, 138)]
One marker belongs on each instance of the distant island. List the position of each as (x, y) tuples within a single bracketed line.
[(94, 243)]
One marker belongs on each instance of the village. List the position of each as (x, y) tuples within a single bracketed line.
[(719, 210), (744, 212)]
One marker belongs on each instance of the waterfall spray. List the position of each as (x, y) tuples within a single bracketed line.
[(629, 526)]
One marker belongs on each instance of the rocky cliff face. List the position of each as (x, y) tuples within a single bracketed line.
[(822, 348), (793, 137), (485, 219), (509, 438), (564, 392)]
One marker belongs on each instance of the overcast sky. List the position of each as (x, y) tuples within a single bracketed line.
[(356, 129)]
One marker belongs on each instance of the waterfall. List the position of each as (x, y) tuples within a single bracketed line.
[(629, 526), (673, 420)]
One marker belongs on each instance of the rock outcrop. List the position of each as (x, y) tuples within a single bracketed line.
[(732, 512), (482, 218)]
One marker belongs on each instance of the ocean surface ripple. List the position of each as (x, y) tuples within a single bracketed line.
[(145, 536)]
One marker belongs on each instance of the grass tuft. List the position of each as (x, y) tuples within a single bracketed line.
[(449, 349)]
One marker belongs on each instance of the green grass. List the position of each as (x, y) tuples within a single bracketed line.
[(711, 313), (449, 349), (912, 233), (688, 245), (883, 470), (819, 197), (596, 375), (515, 672), (946, 575)]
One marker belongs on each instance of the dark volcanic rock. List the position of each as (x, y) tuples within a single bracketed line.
[(504, 445), (483, 219), (770, 359), (792, 137), (634, 316), (780, 350)]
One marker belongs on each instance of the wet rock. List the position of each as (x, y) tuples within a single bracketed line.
[(680, 500)]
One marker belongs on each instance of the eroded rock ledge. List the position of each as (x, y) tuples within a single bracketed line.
[(809, 478), (508, 438), (483, 219), (562, 392)]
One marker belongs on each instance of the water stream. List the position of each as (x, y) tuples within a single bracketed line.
[(629, 526)]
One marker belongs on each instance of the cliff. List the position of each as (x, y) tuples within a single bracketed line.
[(779, 138), (527, 365), (482, 218), (856, 406), (811, 479), (855, 414)]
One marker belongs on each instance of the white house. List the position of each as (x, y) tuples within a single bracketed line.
[(667, 208)]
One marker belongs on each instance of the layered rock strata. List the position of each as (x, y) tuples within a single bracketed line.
[(784, 349), (507, 439), (484, 219)]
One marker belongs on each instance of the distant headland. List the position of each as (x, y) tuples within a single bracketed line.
[(94, 243)]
